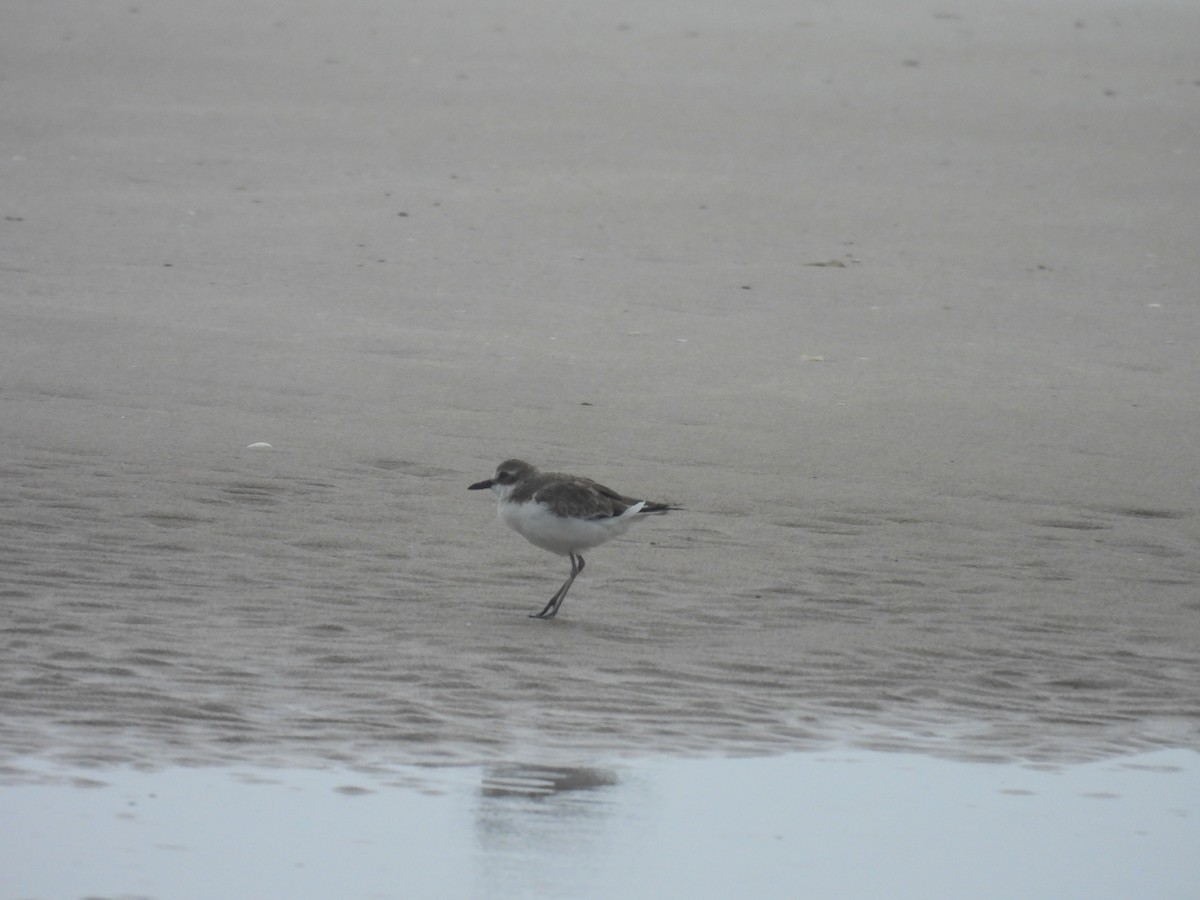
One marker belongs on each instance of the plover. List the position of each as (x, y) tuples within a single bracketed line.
[(564, 514)]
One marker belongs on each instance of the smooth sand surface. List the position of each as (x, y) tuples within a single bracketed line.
[(899, 303)]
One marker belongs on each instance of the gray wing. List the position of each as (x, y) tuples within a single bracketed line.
[(582, 498)]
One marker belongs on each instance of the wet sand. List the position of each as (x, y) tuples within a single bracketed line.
[(900, 306)]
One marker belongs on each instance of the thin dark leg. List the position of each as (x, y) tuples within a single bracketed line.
[(576, 568), (551, 609), (545, 613)]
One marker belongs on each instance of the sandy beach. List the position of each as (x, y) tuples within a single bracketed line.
[(900, 306)]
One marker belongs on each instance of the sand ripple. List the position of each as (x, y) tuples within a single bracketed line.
[(269, 609)]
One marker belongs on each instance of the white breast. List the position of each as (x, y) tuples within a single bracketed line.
[(559, 534)]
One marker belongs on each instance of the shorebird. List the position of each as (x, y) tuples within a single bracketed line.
[(564, 514)]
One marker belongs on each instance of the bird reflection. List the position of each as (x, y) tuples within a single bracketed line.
[(518, 780)]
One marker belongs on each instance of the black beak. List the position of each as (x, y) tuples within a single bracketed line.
[(480, 485)]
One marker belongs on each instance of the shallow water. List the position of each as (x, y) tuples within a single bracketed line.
[(847, 824)]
